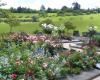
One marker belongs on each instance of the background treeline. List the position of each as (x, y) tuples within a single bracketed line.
[(75, 9)]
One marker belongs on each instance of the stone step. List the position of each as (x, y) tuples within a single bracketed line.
[(86, 75), (97, 78)]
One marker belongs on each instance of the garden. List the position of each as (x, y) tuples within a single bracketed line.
[(40, 56), (48, 44)]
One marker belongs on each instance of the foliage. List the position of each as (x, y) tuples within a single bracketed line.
[(42, 14), (97, 39), (42, 8), (76, 6), (50, 10), (2, 4), (35, 19), (18, 59), (47, 21), (9, 19), (69, 26), (22, 10), (12, 23)]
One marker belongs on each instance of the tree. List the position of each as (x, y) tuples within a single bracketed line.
[(3, 13), (42, 12), (13, 10), (2, 4), (19, 9), (12, 22), (69, 26), (9, 19), (64, 9), (42, 8), (60, 13), (76, 6), (49, 10)]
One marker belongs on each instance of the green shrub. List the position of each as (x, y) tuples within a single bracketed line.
[(27, 16), (35, 19), (20, 16)]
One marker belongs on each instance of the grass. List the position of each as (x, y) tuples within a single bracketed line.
[(24, 14), (26, 27), (81, 22)]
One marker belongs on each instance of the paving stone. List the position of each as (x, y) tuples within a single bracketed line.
[(87, 75), (97, 78)]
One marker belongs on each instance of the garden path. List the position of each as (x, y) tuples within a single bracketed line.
[(97, 78)]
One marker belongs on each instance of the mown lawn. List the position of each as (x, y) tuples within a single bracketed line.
[(81, 22), (26, 27)]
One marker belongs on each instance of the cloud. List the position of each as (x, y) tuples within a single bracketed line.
[(59, 3), (36, 5)]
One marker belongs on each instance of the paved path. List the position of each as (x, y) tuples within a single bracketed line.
[(98, 78)]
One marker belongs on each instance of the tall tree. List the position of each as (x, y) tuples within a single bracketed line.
[(2, 4), (42, 11), (76, 6), (64, 8), (19, 9), (49, 10), (42, 8)]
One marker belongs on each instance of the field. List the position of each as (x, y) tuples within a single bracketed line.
[(81, 22)]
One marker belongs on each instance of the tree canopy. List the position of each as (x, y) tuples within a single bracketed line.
[(76, 6)]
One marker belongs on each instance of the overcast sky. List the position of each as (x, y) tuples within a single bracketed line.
[(35, 4)]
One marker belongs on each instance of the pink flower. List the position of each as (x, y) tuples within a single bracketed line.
[(14, 76)]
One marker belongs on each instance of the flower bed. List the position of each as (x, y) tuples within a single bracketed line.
[(19, 60)]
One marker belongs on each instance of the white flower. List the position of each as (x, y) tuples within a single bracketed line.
[(95, 27), (45, 24), (21, 79), (45, 65), (90, 28), (42, 24), (50, 26), (55, 28)]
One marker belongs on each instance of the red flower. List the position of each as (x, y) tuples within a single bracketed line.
[(14, 76)]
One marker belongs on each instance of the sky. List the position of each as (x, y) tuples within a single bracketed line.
[(36, 4)]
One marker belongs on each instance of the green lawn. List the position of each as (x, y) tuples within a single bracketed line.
[(81, 22), (26, 27)]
